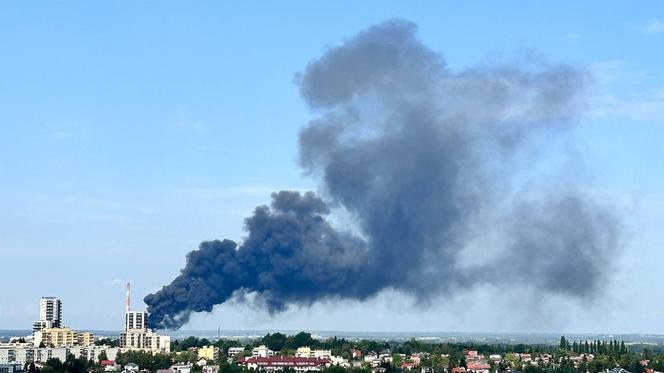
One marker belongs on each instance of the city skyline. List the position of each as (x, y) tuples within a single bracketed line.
[(132, 132)]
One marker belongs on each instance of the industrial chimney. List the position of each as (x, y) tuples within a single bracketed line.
[(128, 300)]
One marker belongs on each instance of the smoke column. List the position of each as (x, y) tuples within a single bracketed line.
[(419, 156)]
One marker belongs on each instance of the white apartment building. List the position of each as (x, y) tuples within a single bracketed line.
[(25, 353), (136, 320), (145, 340), (232, 351), (262, 351), (50, 314), (308, 352), (137, 335)]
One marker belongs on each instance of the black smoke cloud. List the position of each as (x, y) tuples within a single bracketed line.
[(417, 155)]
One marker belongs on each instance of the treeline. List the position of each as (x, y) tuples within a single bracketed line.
[(613, 347), (70, 365), (193, 342), (113, 342), (145, 360), (282, 342)]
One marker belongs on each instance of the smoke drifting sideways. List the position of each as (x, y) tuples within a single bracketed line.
[(418, 155)]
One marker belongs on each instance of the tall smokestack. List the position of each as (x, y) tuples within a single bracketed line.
[(128, 300)]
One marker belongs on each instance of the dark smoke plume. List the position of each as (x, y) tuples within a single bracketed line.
[(418, 155)]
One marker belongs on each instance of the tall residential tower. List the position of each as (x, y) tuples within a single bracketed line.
[(50, 314), (136, 335)]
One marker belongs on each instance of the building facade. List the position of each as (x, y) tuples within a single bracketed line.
[(50, 314), (308, 352), (137, 335), (145, 340), (50, 309), (11, 368), (25, 353), (136, 320), (62, 337), (262, 351), (209, 353)]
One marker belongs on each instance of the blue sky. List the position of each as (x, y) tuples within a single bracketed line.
[(131, 131)]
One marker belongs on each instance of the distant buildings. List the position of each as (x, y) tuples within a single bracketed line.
[(279, 362), (51, 339)]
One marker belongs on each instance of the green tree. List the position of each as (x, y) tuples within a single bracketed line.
[(275, 341), (102, 356), (563, 343)]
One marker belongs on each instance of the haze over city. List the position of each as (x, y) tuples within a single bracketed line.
[(132, 132)]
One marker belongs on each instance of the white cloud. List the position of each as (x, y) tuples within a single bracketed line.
[(622, 91), (653, 26), (635, 108), (115, 282)]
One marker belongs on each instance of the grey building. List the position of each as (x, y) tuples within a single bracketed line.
[(11, 368)]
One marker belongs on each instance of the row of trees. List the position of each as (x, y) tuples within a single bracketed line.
[(70, 365), (613, 348)]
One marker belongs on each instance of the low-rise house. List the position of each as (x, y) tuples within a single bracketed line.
[(232, 351), (210, 369), (618, 370), (409, 365), (340, 361), (130, 367), (182, 368), (110, 366), (279, 362), (478, 367)]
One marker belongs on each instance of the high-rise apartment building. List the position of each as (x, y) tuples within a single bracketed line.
[(137, 335), (49, 330), (136, 320), (50, 314)]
